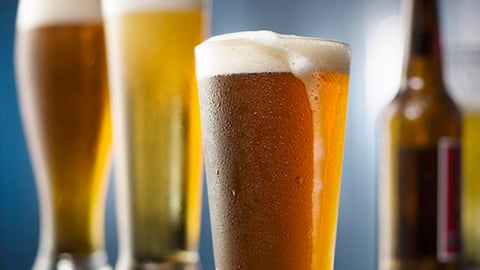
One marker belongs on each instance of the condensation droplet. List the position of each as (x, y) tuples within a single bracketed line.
[(299, 180)]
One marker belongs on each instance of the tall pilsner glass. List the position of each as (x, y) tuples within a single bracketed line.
[(158, 167), (62, 89), (273, 115)]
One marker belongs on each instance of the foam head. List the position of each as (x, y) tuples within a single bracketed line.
[(115, 7), (36, 13), (265, 51)]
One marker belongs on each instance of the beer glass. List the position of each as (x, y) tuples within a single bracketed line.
[(273, 119), (463, 70), (156, 123), (63, 96)]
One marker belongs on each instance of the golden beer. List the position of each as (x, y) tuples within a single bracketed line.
[(471, 185), (62, 87), (156, 122), (273, 120)]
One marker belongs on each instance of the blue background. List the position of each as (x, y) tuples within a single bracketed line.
[(337, 19), (356, 22)]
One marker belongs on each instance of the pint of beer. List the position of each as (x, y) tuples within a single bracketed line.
[(158, 167), (62, 89), (273, 118)]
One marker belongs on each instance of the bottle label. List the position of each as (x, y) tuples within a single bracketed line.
[(448, 199)]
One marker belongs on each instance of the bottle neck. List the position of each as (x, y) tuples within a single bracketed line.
[(423, 63)]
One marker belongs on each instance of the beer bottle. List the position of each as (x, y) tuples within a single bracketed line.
[(419, 185)]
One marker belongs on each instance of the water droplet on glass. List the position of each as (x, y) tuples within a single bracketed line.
[(299, 180)]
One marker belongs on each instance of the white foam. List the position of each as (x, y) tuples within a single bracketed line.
[(265, 51), (35, 13), (115, 7)]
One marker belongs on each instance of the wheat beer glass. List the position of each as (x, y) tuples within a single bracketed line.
[(158, 167), (464, 67), (63, 95), (273, 119)]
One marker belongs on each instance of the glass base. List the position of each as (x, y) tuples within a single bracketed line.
[(71, 261), (159, 266), (177, 260)]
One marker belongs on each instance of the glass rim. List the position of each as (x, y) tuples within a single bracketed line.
[(246, 36)]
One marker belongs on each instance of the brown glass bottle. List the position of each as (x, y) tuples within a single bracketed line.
[(419, 160)]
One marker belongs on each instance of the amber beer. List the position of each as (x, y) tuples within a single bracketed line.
[(273, 112), (62, 88), (158, 165)]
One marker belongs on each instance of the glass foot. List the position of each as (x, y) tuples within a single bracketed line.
[(71, 261), (178, 260), (165, 266)]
